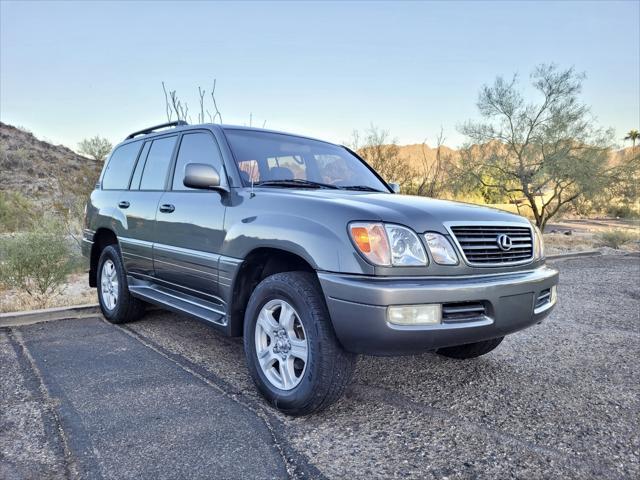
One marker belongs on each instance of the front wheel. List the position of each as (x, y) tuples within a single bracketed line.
[(470, 350), (292, 352)]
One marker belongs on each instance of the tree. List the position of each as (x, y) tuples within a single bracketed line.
[(383, 154), (622, 197), (97, 148), (433, 176), (633, 135), (546, 154)]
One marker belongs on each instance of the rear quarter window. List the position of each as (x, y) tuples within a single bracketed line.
[(118, 171)]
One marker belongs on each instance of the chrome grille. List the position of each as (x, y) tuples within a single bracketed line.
[(480, 244)]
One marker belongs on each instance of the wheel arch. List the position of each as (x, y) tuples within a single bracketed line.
[(258, 265), (102, 238)]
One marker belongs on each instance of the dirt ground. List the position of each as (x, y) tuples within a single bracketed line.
[(75, 292), (577, 235)]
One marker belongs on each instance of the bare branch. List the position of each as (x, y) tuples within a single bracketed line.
[(215, 104), (167, 105)]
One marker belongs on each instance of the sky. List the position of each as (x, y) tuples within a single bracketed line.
[(70, 70)]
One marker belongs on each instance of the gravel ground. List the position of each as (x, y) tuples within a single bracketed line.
[(558, 400)]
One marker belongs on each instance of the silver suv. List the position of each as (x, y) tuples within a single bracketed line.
[(300, 247)]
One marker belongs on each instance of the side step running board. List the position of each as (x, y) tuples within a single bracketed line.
[(181, 303)]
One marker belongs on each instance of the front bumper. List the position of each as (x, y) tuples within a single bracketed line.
[(358, 308)]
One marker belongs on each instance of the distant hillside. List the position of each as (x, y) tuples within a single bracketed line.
[(34, 168), (414, 154)]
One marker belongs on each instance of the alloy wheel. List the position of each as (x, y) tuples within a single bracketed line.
[(281, 344)]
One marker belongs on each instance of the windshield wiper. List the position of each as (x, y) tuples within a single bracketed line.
[(294, 182), (363, 188)]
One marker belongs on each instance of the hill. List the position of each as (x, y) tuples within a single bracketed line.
[(415, 154), (39, 170)]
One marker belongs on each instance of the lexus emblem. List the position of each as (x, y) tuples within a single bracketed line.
[(504, 242)]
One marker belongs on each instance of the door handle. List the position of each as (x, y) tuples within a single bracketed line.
[(167, 208), (124, 204)]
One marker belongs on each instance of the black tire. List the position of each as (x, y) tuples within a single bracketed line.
[(328, 369), (471, 350), (127, 308)]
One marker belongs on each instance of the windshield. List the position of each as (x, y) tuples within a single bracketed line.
[(285, 160)]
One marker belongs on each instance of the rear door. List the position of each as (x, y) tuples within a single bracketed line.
[(189, 229), (140, 204), (115, 201)]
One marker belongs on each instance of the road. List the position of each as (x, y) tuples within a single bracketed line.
[(167, 397)]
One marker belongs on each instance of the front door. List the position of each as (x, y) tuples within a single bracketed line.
[(189, 223)]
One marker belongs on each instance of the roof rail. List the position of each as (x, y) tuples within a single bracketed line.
[(177, 123)]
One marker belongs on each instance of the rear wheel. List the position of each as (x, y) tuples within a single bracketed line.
[(292, 352), (116, 303), (471, 350)]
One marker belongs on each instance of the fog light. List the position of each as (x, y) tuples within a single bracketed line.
[(415, 314)]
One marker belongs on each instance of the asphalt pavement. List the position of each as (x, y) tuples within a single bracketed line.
[(167, 397)]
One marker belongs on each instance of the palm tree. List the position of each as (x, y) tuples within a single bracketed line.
[(633, 135)]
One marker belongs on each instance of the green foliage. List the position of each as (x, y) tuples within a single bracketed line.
[(97, 147), (547, 154), (633, 135), (622, 211), (615, 238), (16, 212), (37, 261)]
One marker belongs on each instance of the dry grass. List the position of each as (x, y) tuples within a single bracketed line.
[(617, 238), (75, 292), (556, 243), (592, 234)]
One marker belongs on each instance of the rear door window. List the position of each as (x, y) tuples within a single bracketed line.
[(154, 176), (118, 172), (196, 148)]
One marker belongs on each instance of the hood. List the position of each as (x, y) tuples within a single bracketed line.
[(419, 213)]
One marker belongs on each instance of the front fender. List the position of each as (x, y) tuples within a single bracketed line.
[(322, 247)]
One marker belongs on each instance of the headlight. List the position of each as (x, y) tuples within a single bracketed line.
[(387, 245), (538, 243), (406, 248), (441, 249)]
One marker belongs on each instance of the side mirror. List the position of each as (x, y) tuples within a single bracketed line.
[(201, 176), (395, 187)]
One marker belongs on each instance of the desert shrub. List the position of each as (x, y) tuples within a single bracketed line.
[(17, 212), (622, 211), (36, 262), (615, 238)]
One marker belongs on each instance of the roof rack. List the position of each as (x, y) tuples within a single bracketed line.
[(177, 123)]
